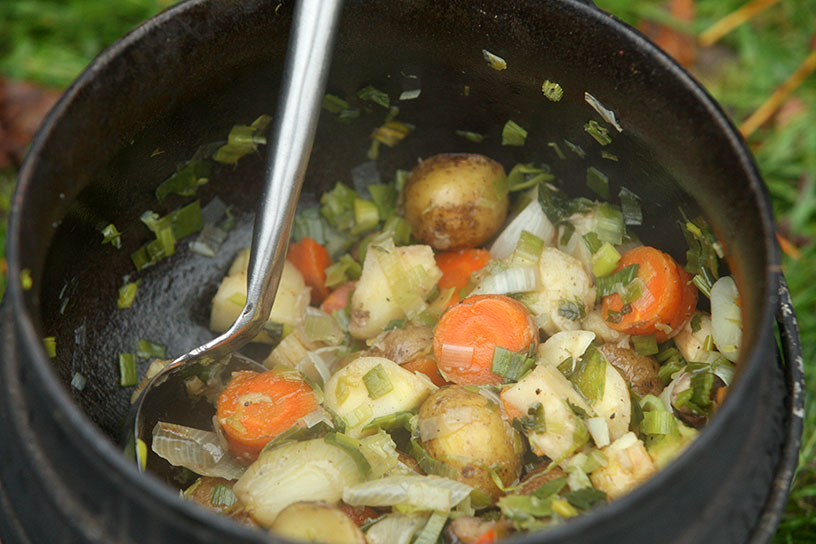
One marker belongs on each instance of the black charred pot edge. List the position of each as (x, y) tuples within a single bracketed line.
[(184, 78)]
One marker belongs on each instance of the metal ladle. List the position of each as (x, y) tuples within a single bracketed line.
[(308, 57)]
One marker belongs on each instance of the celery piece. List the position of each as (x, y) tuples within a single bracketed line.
[(399, 228), (494, 61), (590, 375), (697, 398), (127, 294), (127, 370), (366, 216), (377, 382), (601, 135), (186, 180), (645, 345), (597, 182), (552, 90), (605, 260), (371, 94), (630, 207), (334, 104), (474, 137), (513, 134), (50, 344), (110, 235), (146, 349)]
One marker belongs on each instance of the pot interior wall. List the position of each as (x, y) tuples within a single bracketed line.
[(113, 152)]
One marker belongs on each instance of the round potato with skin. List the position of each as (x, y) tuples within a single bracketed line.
[(317, 522), (466, 431), (456, 200), (639, 371)]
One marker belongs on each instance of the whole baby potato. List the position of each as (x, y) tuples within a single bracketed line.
[(466, 431), (456, 200)]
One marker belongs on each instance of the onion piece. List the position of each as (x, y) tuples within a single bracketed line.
[(532, 219), (195, 449), (726, 318)]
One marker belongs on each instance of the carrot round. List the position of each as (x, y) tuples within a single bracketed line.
[(256, 407), (468, 332), (339, 298), (427, 366), (311, 259), (457, 267), (667, 300)]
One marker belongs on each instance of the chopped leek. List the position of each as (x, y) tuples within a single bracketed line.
[(344, 270), (127, 370), (601, 135), (391, 133), (529, 248), (110, 235), (630, 207), (633, 291), (366, 216), (397, 420), (590, 375), (433, 529), (658, 422), (222, 496), (78, 381), (597, 182), (557, 150), (609, 223), (474, 137), (577, 149), (243, 140), (377, 382), (605, 260), (510, 365), (371, 94), (429, 464), (671, 362), (552, 90), (553, 487), (702, 257), (585, 498), (352, 447), (645, 345), (127, 294), (334, 104), (592, 242), (524, 176), (186, 180), (517, 279), (385, 198), (209, 241), (147, 349), (619, 280), (410, 94), (608, 156), (25, 279), (513, 134), (522, 508), (50, 344), (494, 61), (421, 492), (606, 114), (573, 310), (697, 398), (337, 206)]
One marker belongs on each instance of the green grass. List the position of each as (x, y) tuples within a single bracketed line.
[(51, 41)]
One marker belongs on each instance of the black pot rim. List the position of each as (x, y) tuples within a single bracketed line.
[(109, 454)]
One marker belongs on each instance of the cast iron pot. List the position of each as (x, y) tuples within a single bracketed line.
[(184, 78)]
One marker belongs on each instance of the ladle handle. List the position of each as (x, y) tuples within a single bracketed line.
[(308, 57)]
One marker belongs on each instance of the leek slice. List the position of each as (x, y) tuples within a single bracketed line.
[(518, 279), (127, 370), (630, 207), (597, 182), (147, 349), (200, 451), (552, 90), (50, 344), (372, 94), (112, 236), (312, 470), (396, 528), (186, 180), (420, 492), (726, 318), (531, 219), (127, 294), (513, 134), (601, 135), (474, 137), (494, 61), (433, 528)]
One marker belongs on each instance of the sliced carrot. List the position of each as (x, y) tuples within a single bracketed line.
[(666, 303), (488, 537), (468, 332), (457, 267), (256, 407), (427, 366), (311, 259), (339, 298)]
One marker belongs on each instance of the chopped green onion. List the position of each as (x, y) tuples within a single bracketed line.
[(590, 375), (510, 365), (552, 90), (222, 496), (605, 260), (186, 180), (127, 293), (377, 382), (25, 279), (110, 235), (645, 345), (597, 182), (494, 61), (513, 134), (577, 149), (617, 281), (658, 422), (608, 156), (334, 104), (557, 150), (127, 370), (598, 132), (50, 343), (474, 137), (433, 529), (352, 447), (372, 94), (585, 498), (573, 310), (630, 207), (366, 216), (147, 349), (78, 381)]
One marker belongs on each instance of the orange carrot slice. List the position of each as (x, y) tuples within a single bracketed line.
[(468, 332), (339, 298), (457, 267), (256, 407), (427, 366), (311, 259)]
